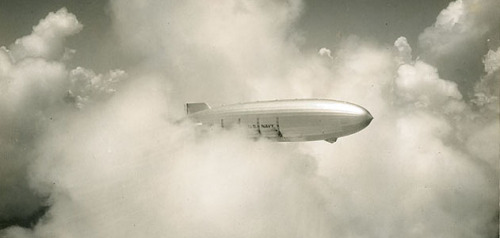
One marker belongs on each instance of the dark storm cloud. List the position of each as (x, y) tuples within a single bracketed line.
[(106, 154)]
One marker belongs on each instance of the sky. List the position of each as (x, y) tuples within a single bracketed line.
[(92, 93)]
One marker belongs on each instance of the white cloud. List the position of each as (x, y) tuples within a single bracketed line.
[(487, 90), (233, 45), (121, 167), (47, 37), (420, 84), (458, 39), (492, 61), (404, 50), (325, 51), (461, 23), (33, 84), (87, 85)]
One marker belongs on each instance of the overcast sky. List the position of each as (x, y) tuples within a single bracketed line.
[(91, 93)]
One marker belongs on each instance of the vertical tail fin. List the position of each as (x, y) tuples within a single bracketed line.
[(196, 107)]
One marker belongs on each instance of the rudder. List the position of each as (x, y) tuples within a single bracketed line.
[(196, 107)]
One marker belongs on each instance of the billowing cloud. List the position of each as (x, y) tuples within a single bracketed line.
[(419, 83), (111, 159), (47, 38), (234, 45), (468, 23), (33, 85), (86, 85), (487, 89), (462, 22)]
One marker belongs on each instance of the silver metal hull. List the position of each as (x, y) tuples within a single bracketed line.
[(287, 120)]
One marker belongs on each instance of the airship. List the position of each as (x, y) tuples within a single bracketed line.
[(285, 120)]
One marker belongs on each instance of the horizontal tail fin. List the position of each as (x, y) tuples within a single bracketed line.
[(196, 107)]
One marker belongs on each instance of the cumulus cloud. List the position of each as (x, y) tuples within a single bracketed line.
[(463, 23), (86, 85), (48, 36), (120, 166), (28, 91), (487, 90), (325, 51), (33, 85), (404, 50), (418, 83)]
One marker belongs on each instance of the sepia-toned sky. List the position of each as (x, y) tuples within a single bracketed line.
[(93, 141), (322, 23)]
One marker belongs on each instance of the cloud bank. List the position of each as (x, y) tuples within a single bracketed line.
[(461, 30), (103, 152)]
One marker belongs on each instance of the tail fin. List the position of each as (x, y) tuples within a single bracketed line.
[(196, 107)]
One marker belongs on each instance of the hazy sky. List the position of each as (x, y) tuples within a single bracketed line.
[(91, 93)]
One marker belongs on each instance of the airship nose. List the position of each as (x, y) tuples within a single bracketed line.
[(355, 118), (367, 118)]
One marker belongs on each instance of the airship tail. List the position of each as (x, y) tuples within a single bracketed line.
[(196, 107)]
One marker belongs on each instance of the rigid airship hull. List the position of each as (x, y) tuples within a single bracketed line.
[(286, 120)]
